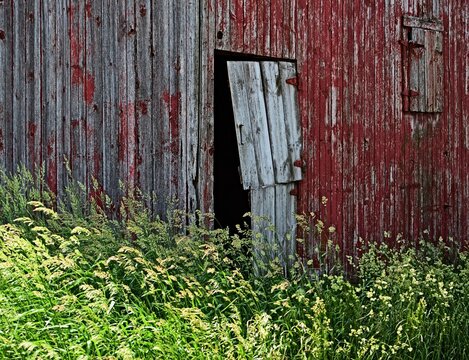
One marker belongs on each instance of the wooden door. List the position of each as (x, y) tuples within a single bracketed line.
[(268, 133)]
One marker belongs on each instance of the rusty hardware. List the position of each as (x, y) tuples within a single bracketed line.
[(293, 81), (410, 44), (298, 163), (241, 134)]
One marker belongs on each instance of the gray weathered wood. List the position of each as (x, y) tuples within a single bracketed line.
[(422, 23), (144, 78), (417, 83), (251, 122), (273, 212), (292, 117), (239, 85), (283, 116), (263, 224), (285, 221), (19, 79), (49, 139), (192, 102), (3, 79), (77, 111), (206, 117), (277, 124), (60, 70)]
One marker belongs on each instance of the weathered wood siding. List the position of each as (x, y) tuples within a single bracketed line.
[(124, 90), (112, 88), (380, 168)]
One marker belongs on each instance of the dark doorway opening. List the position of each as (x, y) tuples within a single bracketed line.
[(231, 201)]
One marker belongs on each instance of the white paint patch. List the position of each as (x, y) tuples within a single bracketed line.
[(333, 101)]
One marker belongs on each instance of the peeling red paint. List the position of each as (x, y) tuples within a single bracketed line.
[(77, 75), (88, 9), (89, 88), (172, 103), (75, 123), (142, 107)]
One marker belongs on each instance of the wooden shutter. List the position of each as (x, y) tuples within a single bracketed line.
[(423, 65)]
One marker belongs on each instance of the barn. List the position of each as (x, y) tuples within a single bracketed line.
[(353, 110)]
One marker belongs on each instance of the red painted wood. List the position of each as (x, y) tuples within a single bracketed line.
[(127, 92)]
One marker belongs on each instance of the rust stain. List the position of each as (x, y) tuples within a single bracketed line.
[(2, 35), (2, 146)]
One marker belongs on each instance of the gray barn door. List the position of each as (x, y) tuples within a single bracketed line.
[(269, 144)]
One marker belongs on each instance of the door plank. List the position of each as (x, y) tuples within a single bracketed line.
[(292, 116), (276, 119), (247, 156)]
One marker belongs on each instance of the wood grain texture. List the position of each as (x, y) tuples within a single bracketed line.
[(124, 90)]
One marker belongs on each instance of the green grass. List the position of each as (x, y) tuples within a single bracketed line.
[(76, 284)]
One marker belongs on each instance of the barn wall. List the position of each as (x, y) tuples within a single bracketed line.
[(380, 169), (112, 88), (124, 90)]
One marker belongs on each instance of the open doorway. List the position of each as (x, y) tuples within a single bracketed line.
[(231, 201), (257, 161)]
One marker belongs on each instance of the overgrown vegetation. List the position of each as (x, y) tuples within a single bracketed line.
[(75, 284)]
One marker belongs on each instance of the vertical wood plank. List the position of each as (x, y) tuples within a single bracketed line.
[(33, 83), (263, 28), (263, 225), (250, 26), (206, 118), (236, 25), (192, 100), (287, 71), (110, 98), (130, 107), (222, 24), (4, 53), (93, 94), (276, 28), (245, 133), (19, 81), (77, 111), (50, 94), (144, 80), (64, 150), (123, 41), (160, 22), (302, 44), (277, 123), (60, 14), (285, 223)]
